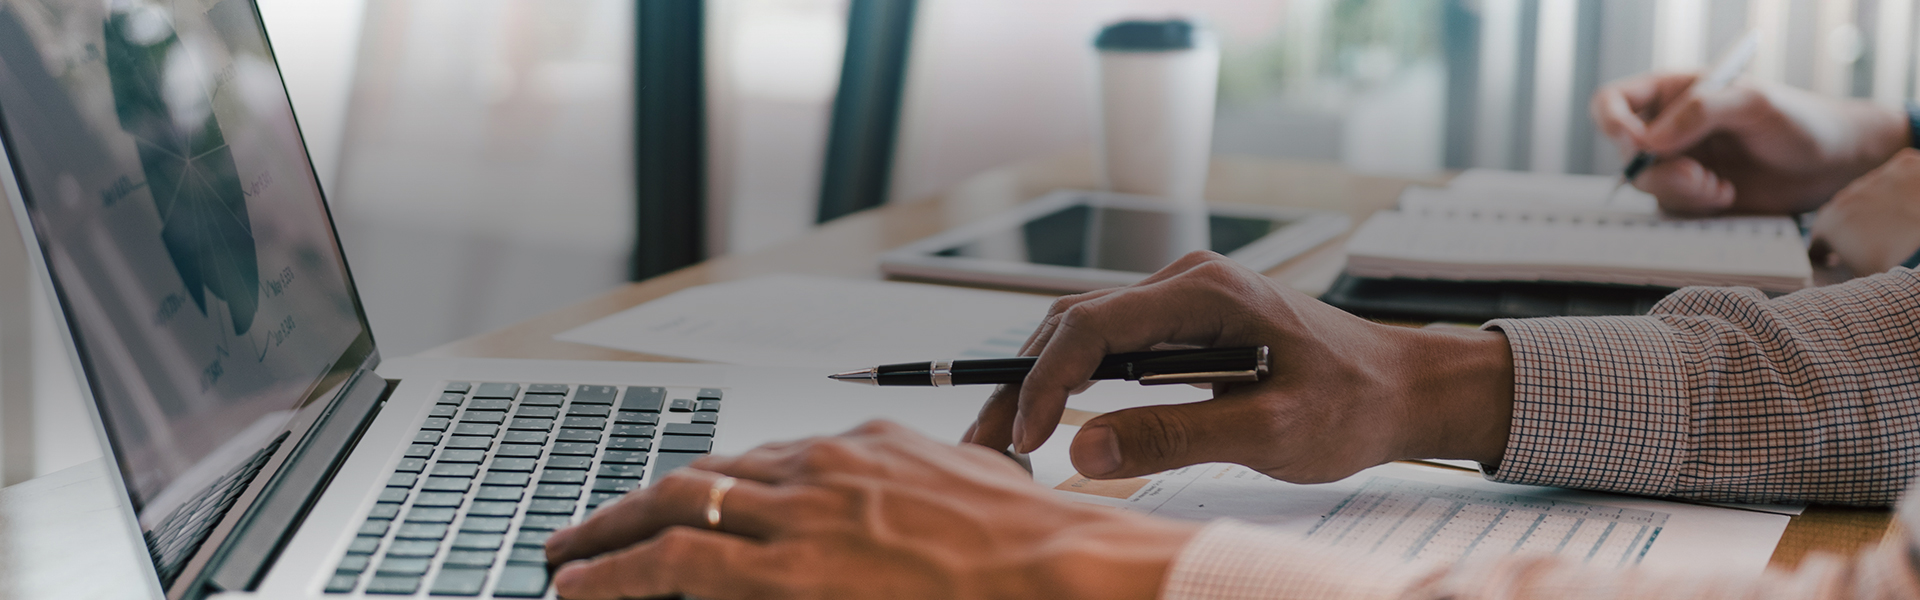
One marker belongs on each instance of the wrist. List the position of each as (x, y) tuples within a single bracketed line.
[(1460, 394), (1125, 557)]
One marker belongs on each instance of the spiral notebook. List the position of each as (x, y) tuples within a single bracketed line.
[(1509, 226)]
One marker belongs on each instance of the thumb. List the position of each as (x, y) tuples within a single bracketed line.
[(1686, 187), (1151, 439)]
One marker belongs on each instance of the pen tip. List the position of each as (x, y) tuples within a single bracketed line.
[(867, 376)]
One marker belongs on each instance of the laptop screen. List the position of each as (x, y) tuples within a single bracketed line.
[(171, 195)]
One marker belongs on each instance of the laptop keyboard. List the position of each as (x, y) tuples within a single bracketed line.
[(495, 468)]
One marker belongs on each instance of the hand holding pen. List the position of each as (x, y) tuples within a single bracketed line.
[(1743, 147)]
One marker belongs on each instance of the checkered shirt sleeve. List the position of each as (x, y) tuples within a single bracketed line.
[(1720, 394), (1723, 394)]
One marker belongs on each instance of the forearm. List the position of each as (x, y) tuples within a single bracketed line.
[(1725, 395)]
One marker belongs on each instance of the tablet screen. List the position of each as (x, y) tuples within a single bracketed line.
[(1105, 237)]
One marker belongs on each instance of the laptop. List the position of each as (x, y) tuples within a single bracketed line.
[(263, 447)]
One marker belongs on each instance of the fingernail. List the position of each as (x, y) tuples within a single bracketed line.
[(567, 576), (1101, 454), (1019, 436)]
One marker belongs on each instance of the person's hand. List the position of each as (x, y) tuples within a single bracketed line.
[(1745, 148), (1874, 224), (879, 512), (1344, 393)]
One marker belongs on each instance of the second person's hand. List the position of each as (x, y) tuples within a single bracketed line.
[(1344, 393)]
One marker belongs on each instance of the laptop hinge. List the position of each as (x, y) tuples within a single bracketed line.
[(272, 520)]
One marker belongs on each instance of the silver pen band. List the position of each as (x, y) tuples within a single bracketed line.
[(941, 373)]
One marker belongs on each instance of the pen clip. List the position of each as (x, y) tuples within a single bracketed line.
[(1249, 375)]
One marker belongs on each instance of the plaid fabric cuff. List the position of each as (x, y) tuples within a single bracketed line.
[(1235, 560), (1599, 403)]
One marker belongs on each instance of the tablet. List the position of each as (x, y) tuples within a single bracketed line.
[(1076, 241)]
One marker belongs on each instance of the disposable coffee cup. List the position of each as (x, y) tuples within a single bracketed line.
[(1157, 81)]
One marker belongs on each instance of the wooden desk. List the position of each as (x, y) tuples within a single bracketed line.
[(850, 247)]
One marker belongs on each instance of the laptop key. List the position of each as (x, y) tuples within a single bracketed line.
[(393, 584), (669, 461), (426, 437), (485, 524), (548, 506), (632, 444), (476, 429), (619, 470), (523, 465), (531, 424), (478, 541), (443, 411), (680, 405), (526, 437), (451, 399), (563, 476), (434, 424), (595, 394), (490, 508), (538, 412), (517, 450), (523, 554), (615, 484), (547, 388), (543, 400), (589, 410), (598, 499), (629, 457), (478, 559), (645, 431), (341, 584), (557, 490), (403, 566), (682, 443), (470, 442), (569, 462), (430, 514), (708, 394), (506, 478), (644, 399), (585, 436), (575, 449), (497, 390), (414, 548), (384, 510), (585, 422), (455, 469), (375, 527), (521, 581), (453, 499), (457, 387), (706, 417), (353, 563), (411, 465), (503, 493), (364, 545), (459, 582), (687, 429), (490, 417), (421, 531), (533, 538), (707, 406), (448, 484), (463, 456), (420, 451), (634, 417), (489, 404), (545, 522)]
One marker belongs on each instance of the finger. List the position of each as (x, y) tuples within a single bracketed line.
[(1685, 187), (1692, 117), (1151, 439), (1614, 116), (751, 509), (770, 464), (993, 427), (1135, 319), (683, 560)]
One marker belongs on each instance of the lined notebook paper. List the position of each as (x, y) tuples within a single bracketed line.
[(1503, 226)]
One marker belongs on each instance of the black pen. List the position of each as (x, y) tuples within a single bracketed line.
[(1206, 365)]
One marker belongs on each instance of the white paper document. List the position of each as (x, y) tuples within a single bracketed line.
[(1417, 512), (803, 321)]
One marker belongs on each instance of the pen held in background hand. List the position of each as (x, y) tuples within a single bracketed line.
[(1723, 74), (1206, 365)]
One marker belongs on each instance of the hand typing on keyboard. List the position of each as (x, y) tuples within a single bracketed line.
[(878, 512)]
